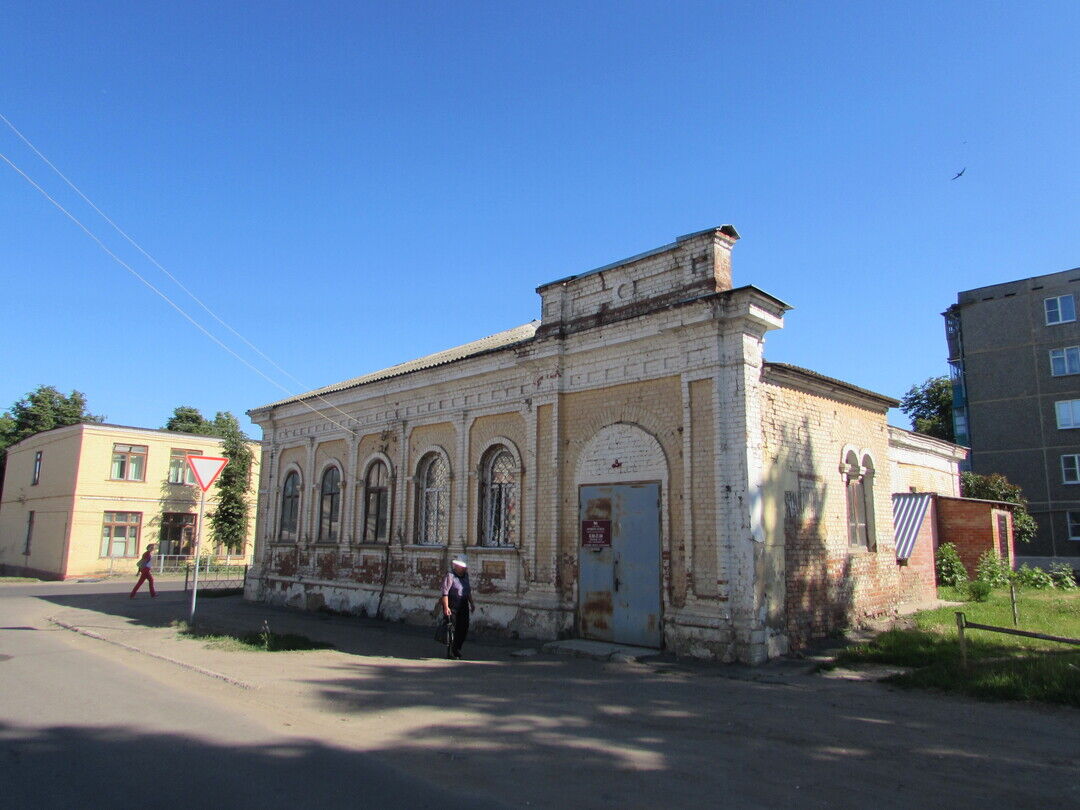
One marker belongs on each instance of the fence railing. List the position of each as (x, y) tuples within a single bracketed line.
[(217, 578), (178, 563), (962, 623)]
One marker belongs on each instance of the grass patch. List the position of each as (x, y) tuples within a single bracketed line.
[(1001, 667), (262, 641), (20, 579)]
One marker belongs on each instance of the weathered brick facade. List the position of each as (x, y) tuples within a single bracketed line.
[(649, 370)]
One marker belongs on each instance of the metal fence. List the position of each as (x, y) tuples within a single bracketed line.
[(217, 577), (179, 563)]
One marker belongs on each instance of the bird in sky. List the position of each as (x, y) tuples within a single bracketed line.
[(959, 173)]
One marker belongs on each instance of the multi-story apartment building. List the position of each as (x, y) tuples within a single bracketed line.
[(1014, 350), (86, 499)]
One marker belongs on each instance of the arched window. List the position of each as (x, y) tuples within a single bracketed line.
[(433, 501), (329, 505), (377, 504), (859, 492), (290, 508), (498, 498)]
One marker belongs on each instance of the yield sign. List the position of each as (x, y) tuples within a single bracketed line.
[(206, 469)]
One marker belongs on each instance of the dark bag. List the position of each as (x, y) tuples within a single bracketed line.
[(442, 629)]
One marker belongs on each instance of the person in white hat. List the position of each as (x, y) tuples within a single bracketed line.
[(457, 602)]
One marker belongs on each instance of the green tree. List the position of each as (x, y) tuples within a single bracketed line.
[(44, 408), (186, 419), (996, 487), (929, 406), (229, 522)]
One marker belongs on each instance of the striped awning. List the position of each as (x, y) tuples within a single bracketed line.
[(909, 510)]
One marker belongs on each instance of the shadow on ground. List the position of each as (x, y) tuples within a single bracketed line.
[(67, 767)]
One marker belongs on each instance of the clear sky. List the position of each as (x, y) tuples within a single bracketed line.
[(351, 185)]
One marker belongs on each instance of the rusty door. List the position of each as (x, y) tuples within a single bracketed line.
[(619, 588)]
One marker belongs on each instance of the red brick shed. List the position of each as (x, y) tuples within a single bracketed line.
[(924, 520)]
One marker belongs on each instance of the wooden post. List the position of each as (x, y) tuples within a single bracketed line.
[(963, 642), (1012, 595)]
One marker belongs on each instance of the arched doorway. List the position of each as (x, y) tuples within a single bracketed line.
[(621, 478)]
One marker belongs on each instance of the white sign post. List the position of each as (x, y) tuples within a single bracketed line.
[(206, 470)]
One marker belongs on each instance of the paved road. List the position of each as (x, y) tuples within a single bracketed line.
[(85, 724), (383, 715)]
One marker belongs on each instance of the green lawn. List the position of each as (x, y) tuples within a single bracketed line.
[(1001, 667), (265, 641)]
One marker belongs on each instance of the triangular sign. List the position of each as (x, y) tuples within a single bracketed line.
[(206, 469)]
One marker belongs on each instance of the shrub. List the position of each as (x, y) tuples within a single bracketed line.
[(1033, 578), (1063, 576), (978, 590), (992, 570), (950, 571)]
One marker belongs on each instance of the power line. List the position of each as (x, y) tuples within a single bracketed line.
[(160, 267), (166, 298)]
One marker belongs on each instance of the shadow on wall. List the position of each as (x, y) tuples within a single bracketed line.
[(818, 585)]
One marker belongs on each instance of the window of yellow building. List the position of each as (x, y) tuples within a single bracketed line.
[(129, 462), (179, 470), (120, 534)]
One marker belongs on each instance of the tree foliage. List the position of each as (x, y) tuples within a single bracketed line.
[(996, 487), (44, 408), (929, 406), (229, 522), (186, 419)]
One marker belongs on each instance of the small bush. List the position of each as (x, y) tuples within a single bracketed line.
[(1033, 578), (950, 571), (1063, 576), (993, 570), (979, 590)]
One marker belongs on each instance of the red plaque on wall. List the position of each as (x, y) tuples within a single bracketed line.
[(595, 533)]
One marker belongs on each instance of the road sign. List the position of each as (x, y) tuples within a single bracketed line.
[(206, 469)]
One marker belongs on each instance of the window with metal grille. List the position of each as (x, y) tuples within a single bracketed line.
[(377, 504), (498, 498), (433, 501), (330, 505), (36, 477), (289, 525)]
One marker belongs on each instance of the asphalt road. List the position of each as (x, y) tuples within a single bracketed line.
[(84, 724), (382, 720)]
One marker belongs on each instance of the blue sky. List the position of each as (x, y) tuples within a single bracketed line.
[(351, 185)]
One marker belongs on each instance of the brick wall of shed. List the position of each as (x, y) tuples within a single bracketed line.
[(971, 526)]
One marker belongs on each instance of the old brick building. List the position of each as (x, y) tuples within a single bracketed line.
[(627, 468)]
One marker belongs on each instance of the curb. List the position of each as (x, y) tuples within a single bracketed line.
[(184, 665)]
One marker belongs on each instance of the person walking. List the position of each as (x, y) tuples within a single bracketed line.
[(146, 566), (457, 602)]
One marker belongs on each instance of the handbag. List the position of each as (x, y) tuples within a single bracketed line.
[(442, 629)]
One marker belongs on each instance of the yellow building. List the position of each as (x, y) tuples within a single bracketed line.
[(87, 499)]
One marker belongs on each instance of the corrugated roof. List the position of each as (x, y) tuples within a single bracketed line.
[(500, 340), (909, 510)]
